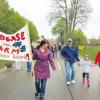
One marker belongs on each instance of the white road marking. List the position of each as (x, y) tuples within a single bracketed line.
[(58, 65)]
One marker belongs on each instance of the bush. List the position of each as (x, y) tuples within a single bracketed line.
[(91, 51), (3, 63)]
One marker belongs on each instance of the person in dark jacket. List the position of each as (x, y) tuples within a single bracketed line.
[(70, 55)]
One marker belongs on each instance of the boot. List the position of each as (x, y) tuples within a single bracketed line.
[(88, 83), (83, 80)]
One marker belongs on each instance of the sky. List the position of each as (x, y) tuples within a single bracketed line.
[(37, 11)]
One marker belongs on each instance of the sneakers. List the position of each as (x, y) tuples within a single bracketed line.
[(88, 85), (41, 98), (73, 81), (68, 83), (28, 70), (36, 94)]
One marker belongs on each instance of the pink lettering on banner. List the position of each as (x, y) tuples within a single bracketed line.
[(6, 50), (15, 51), (2, 37), (1, 48), (28, 56), (16, 37), (4, 56), (20, 57), (22, 36)]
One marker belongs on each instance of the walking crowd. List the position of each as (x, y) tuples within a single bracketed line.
[(44, 55)]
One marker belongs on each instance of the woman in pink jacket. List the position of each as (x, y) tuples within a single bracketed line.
[(97, 58), (43, 57)]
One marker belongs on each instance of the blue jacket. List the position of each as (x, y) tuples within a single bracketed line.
[(70, 54)]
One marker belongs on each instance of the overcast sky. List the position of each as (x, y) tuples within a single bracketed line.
[(37, 11)]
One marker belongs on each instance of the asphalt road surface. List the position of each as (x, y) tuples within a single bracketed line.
[(19, 85)]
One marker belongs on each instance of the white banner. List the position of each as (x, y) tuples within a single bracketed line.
[(16, 46)]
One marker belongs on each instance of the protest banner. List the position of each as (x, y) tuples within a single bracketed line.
[(16, 47)]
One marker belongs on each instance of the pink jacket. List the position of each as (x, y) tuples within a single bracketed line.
[(41, 68)]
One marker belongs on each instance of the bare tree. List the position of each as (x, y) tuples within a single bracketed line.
[(74, 13)]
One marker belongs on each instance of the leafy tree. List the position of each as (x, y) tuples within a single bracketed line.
[(74, 13), (33, 31), (79, 37), (11, 21), (58, 30)]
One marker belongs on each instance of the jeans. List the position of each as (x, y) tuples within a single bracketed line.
[(70, 71), (29, 65), (40, 85)]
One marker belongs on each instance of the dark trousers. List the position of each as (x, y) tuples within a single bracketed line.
[(86, 75), (40, 85), (29, 65)]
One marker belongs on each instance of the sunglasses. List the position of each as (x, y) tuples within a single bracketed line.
[(69, 41)]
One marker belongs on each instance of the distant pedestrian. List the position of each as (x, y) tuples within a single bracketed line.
[(97, 58), (18, 65), (70, 55), (29, 66), (43, 57), (53, 49), (86, 64), (29, 63), (59, 47)]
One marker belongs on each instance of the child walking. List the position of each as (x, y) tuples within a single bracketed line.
[(86, 69)]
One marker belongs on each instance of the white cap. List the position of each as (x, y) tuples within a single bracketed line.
[(69, 39)]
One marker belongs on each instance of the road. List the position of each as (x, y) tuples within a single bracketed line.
[(19, 85)]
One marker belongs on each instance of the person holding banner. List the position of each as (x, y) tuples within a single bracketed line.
[(43, 57)]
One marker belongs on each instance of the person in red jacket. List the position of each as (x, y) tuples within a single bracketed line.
[(97, 59)]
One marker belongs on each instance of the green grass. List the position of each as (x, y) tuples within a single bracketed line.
[(2, 63), (91, 51)]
